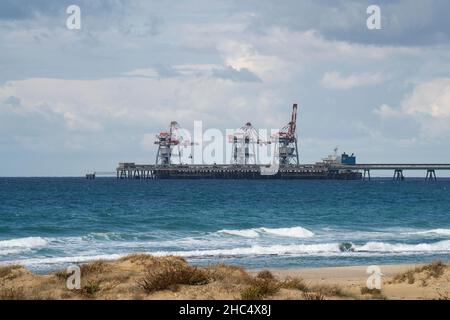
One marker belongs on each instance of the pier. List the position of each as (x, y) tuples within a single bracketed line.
[(398, 169), (230, 171), (306, 171), (93, 175)]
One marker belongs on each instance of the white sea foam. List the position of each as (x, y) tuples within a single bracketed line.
[(62, 260), (441, 246), (257, 250), (313, 249), (247, 233), (295, 232), (5, 252), (439, 231), (29, 242), (324, 249)]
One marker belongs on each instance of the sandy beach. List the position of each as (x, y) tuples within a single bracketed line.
[(353, 278), (141, 276)]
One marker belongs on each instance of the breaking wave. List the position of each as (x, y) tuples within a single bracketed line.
[(62, 260), (311, 249), (441, 246), (247, 233), (294, 232), (439, 231), (324, 249), (26, 243)]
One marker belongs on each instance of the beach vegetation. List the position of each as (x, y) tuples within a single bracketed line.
[(443, 295), (374, 293), (264, 284), (229, 274), (8, 271), (295, 284), (96, 267), (265, 275), (91, 288), (170, 277), (252, 293), (313, 296), (432, 270), (329, 290), (139, 275), (12, 294)]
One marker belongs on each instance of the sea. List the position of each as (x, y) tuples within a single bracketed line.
[(50, 223)]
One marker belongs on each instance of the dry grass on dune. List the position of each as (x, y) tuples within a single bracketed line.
[(141, 276), (430, 281), (261, 286), (424, 273), (373, 293), (8, 271)]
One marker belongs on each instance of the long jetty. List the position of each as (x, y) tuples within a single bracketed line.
[(398, 168), (143, 171)]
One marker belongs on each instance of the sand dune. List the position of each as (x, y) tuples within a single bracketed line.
[(141, 276)]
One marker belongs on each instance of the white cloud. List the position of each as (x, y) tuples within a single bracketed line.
[(335, 80), (142, 102), (143, 72), (386, 112), (301, 46), (428, 104), (242, 55), (195, 69), (429, 98), (76, 123)]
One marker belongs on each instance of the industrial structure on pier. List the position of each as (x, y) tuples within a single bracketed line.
[(244, 160)]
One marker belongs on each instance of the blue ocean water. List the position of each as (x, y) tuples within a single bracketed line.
[(48, 223)]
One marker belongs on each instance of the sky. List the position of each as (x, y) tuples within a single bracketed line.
[(75, 101)]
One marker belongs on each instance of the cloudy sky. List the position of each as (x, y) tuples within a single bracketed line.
[(73, 101)]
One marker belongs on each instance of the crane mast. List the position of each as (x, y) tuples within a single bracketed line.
[(166, 141), (244, 142), (287, 141)]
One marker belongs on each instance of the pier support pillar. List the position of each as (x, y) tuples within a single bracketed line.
[(431, 175), (366, 172), (398, 175)]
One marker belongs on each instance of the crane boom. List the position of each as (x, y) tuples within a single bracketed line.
[(293, 123)]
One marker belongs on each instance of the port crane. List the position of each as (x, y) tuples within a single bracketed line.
[(286, 139), (167, 141), (244, 142)]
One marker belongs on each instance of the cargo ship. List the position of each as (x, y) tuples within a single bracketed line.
[(243, 164)]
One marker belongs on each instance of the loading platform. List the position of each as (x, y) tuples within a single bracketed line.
[(228, 171), (306, 171)]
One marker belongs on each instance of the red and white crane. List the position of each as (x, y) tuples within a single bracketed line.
[(286, 139)]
